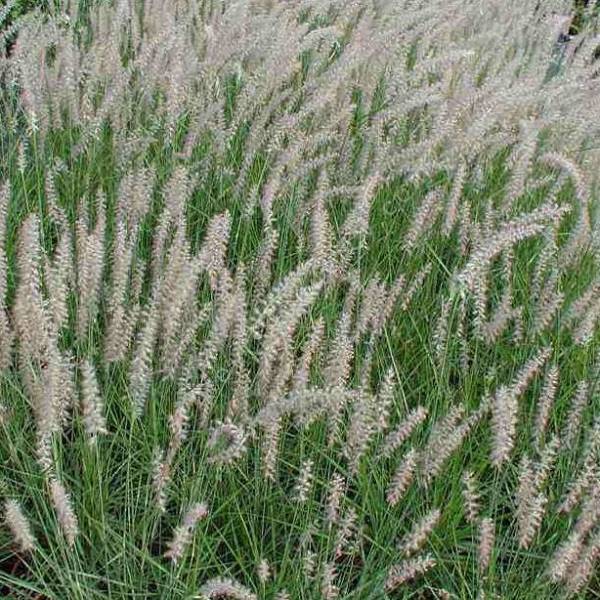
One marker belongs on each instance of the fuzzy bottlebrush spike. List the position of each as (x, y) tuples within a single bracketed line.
[(219, 588), (504, 424), (91, 402), (5, 195), (335, 497), (505, 408), (161, 478), (587, 474), (487, 534), (30, 317), (447, 435), (305, 480), (416, 538), (309, 352), (276, 355), (117, 338), (141, 368), (271, 448), (238, 405), (329, 590), (424, 219), (184, 532), (550, 302), (470, 497), (338, 362), (565, 556), (440, 335), (362, 428), (58, 276), (397, 436), (402, 478), (454, 200), (67, 519), (320, 232), (19, 526), (531, 498), (357, 222), (545, 404), (228, 442), (346, 534), (584, 568), (407, 571), (506, 237), (371, 309), (575, 414), (89, 259)]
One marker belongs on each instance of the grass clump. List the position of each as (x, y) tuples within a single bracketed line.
[(299, 301)]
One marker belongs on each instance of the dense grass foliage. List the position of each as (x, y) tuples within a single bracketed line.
[(299, 300)]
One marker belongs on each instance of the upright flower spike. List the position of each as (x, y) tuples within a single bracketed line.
[(67, 519), (505, 408), (486, 543), (470, 497), (335, 497), (402, 478), (304, 483), (91, 403), (141, 369), (545, 404), (183, 534), (19, 526), (408, 571), (416, 538)]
